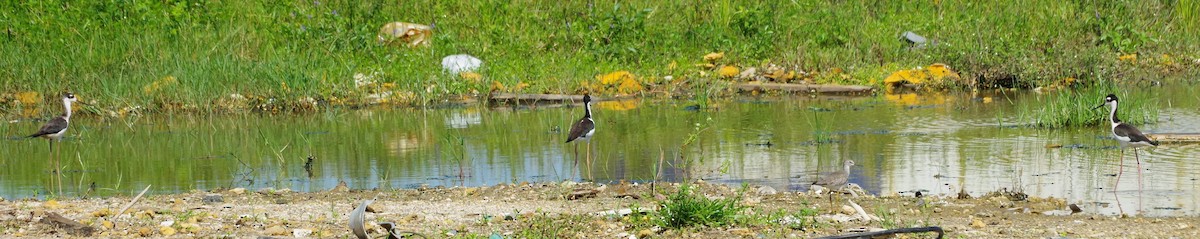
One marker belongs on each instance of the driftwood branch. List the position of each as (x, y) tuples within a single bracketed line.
[(938, 230), (71, 226), (135, 199), (1176, 138)]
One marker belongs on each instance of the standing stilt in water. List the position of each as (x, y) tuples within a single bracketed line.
[(583, 129), (1128, 136), (54, 131)]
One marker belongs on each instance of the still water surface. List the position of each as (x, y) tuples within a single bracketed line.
[(936, 143)]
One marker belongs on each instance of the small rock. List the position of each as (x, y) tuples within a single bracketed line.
[(52, 204), (411, 218), (237, 191), (1075, 208), (582, 193), (848, 210), (107, 224), (167, 223), (276, 231), (189, 227), (766, 190), (342, 187), (145, 231), (750, 72), (213, 198), (166, 231), (644, 233), (302, 233), (741, 232), (267, 190), (102, 213), (840, 218), (977, 224), (937, 210)]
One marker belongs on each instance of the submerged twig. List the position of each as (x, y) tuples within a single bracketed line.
[(135, 199)]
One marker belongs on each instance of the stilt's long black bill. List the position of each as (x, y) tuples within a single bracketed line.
[(1098, 106)]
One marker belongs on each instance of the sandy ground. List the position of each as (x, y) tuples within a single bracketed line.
[(545, 210)]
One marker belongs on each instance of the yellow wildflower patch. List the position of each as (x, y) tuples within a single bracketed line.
[(620, 81), (614, 77), (711, 57), (1129, 57), (630, 86), (160, 84), (28, 97), (936, 72), (728, 71), (497, 86), (476, 77), (910, 76)]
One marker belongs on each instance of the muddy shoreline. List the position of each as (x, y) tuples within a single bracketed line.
[(552, 210)]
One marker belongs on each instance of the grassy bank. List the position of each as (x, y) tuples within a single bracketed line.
[(129, 56)]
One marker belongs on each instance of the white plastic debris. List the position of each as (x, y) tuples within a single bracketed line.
[(455, 64)]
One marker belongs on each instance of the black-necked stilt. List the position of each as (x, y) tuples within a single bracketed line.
[(56, 128), (1127, 135), (583, 129), (835, 181)]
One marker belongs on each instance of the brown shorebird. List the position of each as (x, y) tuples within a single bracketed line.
[(836, 181)]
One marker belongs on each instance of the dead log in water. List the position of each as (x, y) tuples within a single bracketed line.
[(1176, 138), (809, 88)]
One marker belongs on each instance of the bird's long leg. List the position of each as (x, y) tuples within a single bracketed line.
[(575, 167), (1120, 169), (53, 170), (57, 168), (1139, 166), (589, 160)]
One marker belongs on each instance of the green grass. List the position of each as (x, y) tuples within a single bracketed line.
[(280, 53), (1074, 108), (687, 209)]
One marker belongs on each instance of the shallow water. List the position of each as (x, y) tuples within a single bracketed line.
[(936, 143)]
